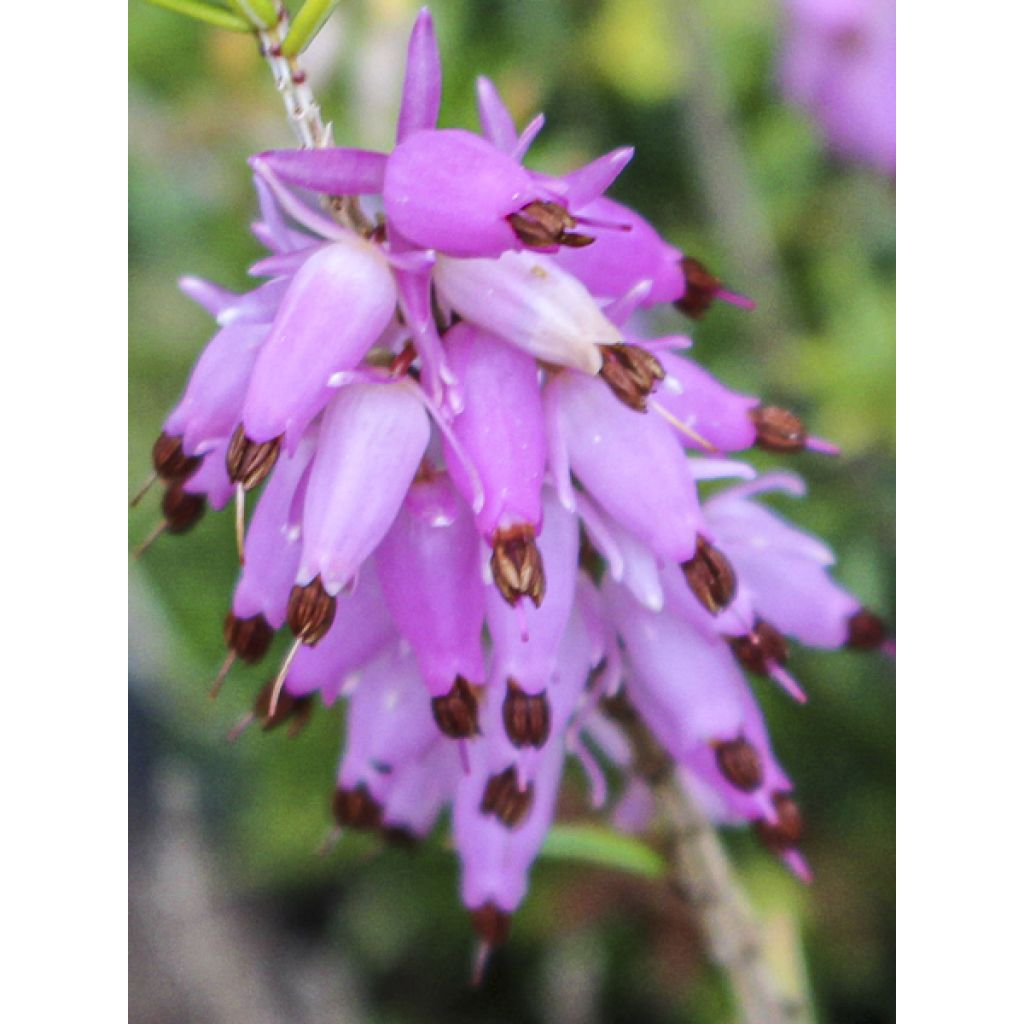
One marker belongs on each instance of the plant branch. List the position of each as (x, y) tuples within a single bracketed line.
[(703, 876)]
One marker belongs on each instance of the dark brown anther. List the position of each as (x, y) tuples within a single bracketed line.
[(310, 612), (355, 808), (181, 510), (788, 828), (702, 287), (456, 712), (631, 372), (296, 710), (505, 800), (396, 835), (249, 462), (865, 631), (541, 225), (400, 364), (739, 761), (516, 565), (761, 648), (491, 924), (778, 430), (710, 577), (170, 461), (248, 638), (527, 716)]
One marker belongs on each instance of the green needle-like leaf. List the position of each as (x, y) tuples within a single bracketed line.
[(204, 12), (597, 845), (306, 24)]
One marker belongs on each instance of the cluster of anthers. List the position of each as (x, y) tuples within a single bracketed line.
[(479, 513)]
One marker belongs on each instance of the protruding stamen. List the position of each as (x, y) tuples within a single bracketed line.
[(702, 288), (456, 713), (684, 429), (631, 372), (788, 828), (761, 649), (222, 674), (399, 366), (311, 611), (144, 489), (170, 461), (248, 638), (142, 548), (865, 631), (542, 225), (249, 462), (330, 841), (505, 800), (355, 808), (778, 430), (277, 687), (740, 763), (240, 522), (527, 716), (710, 577), (516, 564), (491, 924), (274, 705)]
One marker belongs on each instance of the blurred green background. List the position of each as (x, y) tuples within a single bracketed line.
[(233, 915)]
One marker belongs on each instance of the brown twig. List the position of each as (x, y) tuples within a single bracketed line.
[(703, 876)]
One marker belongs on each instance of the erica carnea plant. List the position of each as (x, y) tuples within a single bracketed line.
[(469, 484)]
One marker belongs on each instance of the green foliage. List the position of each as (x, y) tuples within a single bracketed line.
[(305, 25)]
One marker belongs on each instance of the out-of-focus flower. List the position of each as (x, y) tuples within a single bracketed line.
[(481, 506), (839, 62)]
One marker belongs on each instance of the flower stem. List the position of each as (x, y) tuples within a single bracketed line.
[(703, 876), (304, 113), (299, 103)]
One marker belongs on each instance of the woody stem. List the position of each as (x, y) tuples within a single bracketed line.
[(703, 876)]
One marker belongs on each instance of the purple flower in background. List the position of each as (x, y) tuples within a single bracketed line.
[(481, 513), (839, 63)]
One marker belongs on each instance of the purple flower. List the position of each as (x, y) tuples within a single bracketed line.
[(458, 437), (839, 62)]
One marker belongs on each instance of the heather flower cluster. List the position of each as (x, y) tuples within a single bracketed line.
[(480, 514)]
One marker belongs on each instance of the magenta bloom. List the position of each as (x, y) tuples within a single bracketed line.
[(480, 504), (839, 63)]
